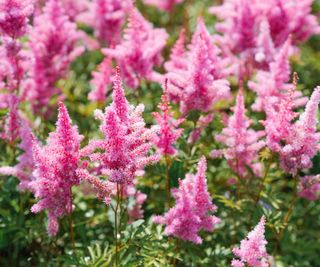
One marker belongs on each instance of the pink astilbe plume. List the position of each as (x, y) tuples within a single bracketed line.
[(166, 5), (75, 8), (309, 187), (269, 85), (53, 44), (191, 212), (14, 17), (139, 50), (169, 131), (242, 142), (23, 170), (101, 81), (124, 149), (55, 170), (12, 122), (302, 142), (107, 17), (202, 84), (252, 251)]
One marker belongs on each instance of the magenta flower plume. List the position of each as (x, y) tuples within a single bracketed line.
[(242, 142), (53, 46), (107, 17), (14, 17), (23, 170), (12, 122), (127, 142), (201, 85), (169, 131), (100, 82), (165, 5), (191, 212), (139, 51), (309, 187), (252, 251), (55, 170)]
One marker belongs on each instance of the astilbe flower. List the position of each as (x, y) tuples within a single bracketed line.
[(107, 17), (53, 44), (165, 5), (100, 82), (127, 142), (12, 122), (55, 170), (139, 51), (23, 170), (75, 8), (14, 17), (302, 142), (13, 25), (169, 131), (269, 85), (253, 250), (309, 187), (242, 142), (191, 212), (202, 84)]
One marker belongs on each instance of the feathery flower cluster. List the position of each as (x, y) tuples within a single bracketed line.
[(124, 149), (23, 170), (252, 28), (139, 51), (169, 131), (309, 187), (107, 18), (297, 143), (55, 170), (14, 17), (243, 143), (75, 8), (13, 25), (53, 47), (12, 122), (199, 84), (165, 5), (271, 84), (193, 205), (252, 250), (100, 82)]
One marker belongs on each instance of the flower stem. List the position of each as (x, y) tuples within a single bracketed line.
[(116, 224), (289, 212), (263, 180), (168, 180)]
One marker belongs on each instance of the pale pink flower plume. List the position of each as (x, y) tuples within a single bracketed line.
[(75, 8), (23, 170), (165, 5), (302, 142), (193, 208), (252, 251), (53, 44), (169, 131), (201, 84), (101, 81), (125, 148), (309, 187), (139, 51), (243, 143), (269, 85), (55, 170)]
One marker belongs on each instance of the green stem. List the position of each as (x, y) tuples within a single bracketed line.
[(116, 225), (263, 180), (168, 180)]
